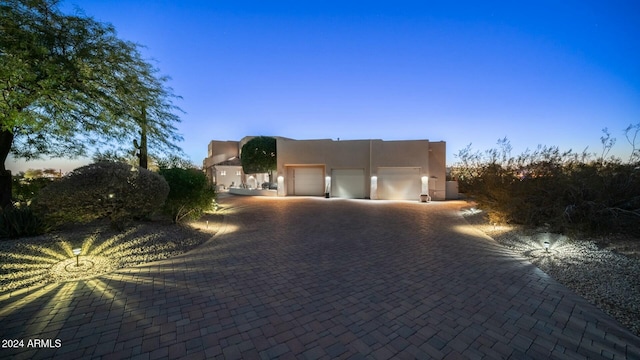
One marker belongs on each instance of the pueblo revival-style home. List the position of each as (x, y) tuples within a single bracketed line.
[(357, 169)]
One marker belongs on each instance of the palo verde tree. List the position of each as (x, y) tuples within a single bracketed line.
[(68, 84), (152, 111), (259, 155)]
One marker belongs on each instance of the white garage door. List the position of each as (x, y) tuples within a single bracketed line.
[(399, 183), (308, 181), (347, 183)]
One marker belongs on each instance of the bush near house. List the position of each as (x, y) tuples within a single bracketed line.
[(189, 195), (569, 192), (117, 191), (18, 219), (27, 185), (24, 190), (19, 222)]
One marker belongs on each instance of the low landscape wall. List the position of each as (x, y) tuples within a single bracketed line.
[(252, 192)]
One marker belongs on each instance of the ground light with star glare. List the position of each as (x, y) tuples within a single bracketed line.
[(44, 274), (50, 259)]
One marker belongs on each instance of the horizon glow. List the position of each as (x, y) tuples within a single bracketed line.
[(545, 73)]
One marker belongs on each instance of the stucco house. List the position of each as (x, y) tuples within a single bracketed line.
[(224, 168), (372, 169), (222, 165)]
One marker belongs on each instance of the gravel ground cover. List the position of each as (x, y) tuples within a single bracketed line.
[(603, 270), (49, 258)]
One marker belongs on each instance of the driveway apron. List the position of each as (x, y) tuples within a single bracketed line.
[(316, 278)]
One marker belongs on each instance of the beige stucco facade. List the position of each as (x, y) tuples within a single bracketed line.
[(219, 152), (374, 169), (223, 167), (386, 169)]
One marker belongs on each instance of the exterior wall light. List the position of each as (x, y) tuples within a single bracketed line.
[(281, 186), (77, 252), (327, 186), (424, 189), (546, 245), (374, 188)]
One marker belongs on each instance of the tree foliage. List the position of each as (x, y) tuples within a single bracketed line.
[(175, 161), (68, 83), (259, 155)]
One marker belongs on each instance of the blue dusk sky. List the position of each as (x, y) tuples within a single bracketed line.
[(538, 72)]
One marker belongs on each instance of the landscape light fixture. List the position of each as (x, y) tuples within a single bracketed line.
[(546, 246), (77, 252)]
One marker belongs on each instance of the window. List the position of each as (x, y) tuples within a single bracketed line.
[(238, 172), (223, 173)]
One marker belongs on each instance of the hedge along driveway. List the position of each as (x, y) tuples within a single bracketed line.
[(325, 278)]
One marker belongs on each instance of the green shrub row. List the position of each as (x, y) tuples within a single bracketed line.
[(112, 190)]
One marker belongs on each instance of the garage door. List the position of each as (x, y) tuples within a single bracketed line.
[(308, 181), (347, 183), (399, 183)]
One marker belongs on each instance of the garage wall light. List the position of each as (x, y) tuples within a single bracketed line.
[(374, 188), (327, 186), (281, 186), (425, 185)]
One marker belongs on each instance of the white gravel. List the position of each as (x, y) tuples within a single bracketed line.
[(607, 279), (49, 258)]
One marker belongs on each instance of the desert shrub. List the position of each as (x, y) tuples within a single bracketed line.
[(20, 221), (189, 195), (24, 190), (563, 190), (116, 191), (603, 197)]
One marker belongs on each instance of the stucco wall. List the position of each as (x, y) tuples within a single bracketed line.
[(408, 153), (437, 170), (218, 151), (295, 152), (231, 176), (227, 148), (369, 155)]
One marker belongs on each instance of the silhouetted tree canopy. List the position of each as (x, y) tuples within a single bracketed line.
[(259, 155), (68, 84)]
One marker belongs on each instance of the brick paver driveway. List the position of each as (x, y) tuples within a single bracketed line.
[(323, 278)]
